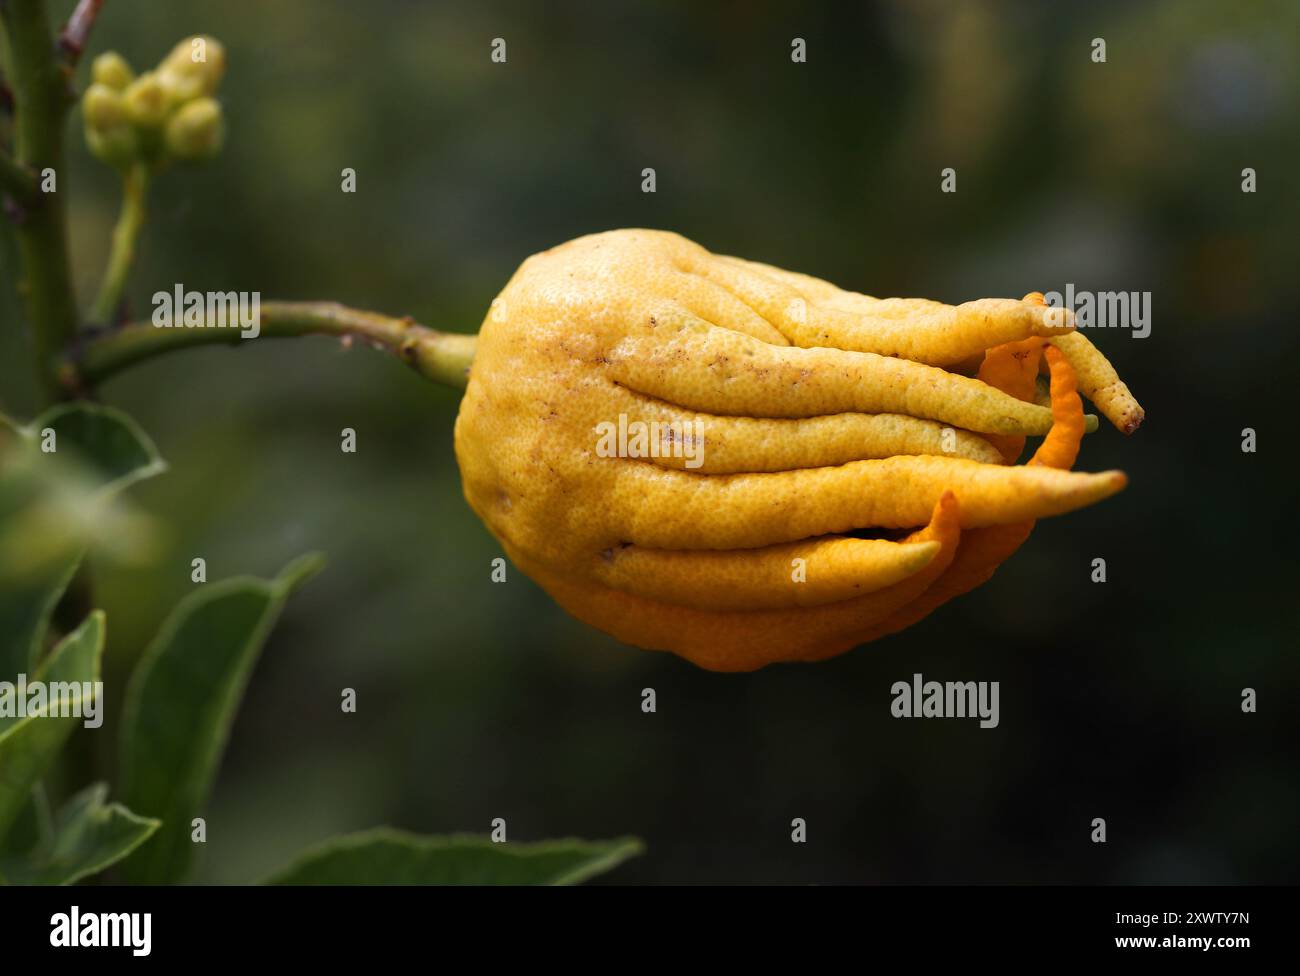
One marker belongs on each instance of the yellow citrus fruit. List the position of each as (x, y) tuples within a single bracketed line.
[(718, 458)]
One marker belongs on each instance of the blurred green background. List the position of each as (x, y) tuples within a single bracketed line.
[(480, 700)]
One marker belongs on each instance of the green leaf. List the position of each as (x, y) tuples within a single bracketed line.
[(28, 827), (40, 546), (104, 440), (89, 836), (29, 742), (386, 856), (25, 611), (50, 506), (181, 702)]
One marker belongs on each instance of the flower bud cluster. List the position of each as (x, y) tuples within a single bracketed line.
[(166, 114)]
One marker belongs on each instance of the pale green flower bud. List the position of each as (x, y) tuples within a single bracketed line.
[(195, 65), (117, 145), (146, 101), (103, 107), (111, 69), (196, 130), (180, 88)]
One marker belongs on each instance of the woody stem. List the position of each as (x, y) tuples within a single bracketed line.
[(443, 357)]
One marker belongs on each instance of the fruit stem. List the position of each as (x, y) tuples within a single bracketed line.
[(443, 357), (135, 190)]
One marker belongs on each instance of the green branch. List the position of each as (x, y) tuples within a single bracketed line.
[(41, 98), (135, 189), (16, 181), (72, 39), (443, 357)]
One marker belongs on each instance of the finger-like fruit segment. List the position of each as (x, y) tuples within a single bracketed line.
[(797, 574), (727, 373), (747, 640), (717, 306), (750, 510), (982, 551), (911, 328), (713, 444), (817, 289), (1012, 368), (1099, 382), (1060, 448)]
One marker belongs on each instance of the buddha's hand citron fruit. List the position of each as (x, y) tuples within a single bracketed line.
[(740, 464)]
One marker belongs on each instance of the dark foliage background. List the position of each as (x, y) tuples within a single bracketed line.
[(478, 700)]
